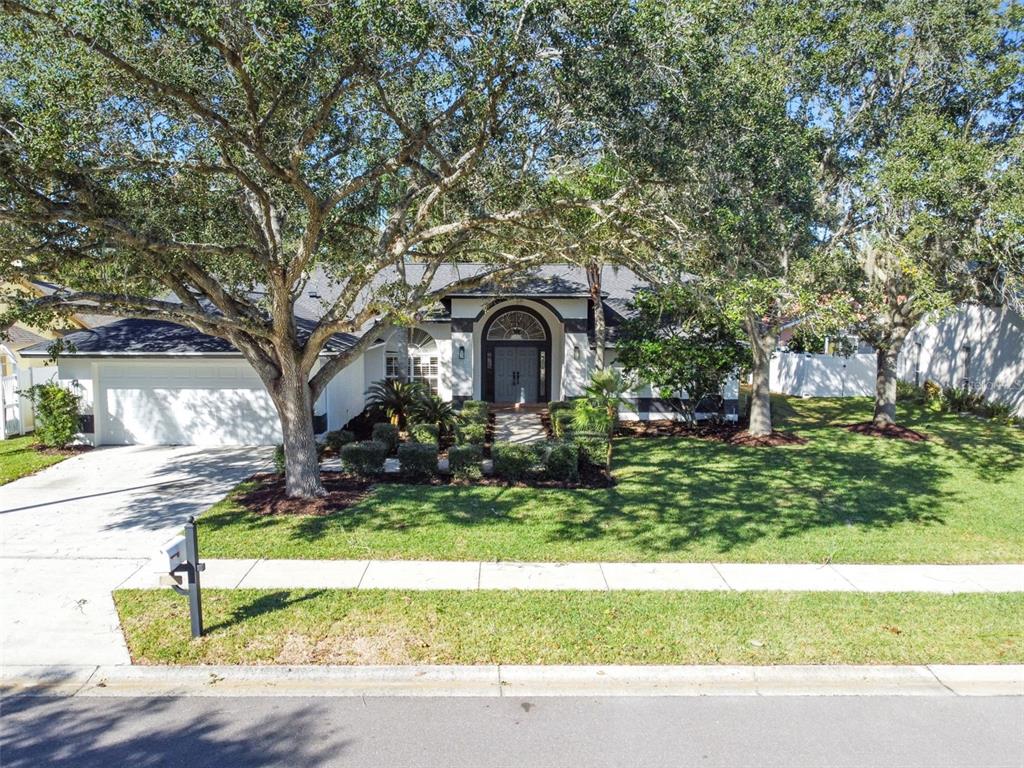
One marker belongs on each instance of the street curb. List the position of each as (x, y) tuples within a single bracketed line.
[(513, 680)]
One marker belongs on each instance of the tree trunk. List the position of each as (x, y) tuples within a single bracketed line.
[(885, 385), (293, 397), (762, 345), (600, 331)]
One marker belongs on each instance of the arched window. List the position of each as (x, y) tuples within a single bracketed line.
[(421, 357), (516, 325)]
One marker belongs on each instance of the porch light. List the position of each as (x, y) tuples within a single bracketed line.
[(462, 353), (576, 353)]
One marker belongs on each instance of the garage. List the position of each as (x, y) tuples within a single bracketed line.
[(207, 402)]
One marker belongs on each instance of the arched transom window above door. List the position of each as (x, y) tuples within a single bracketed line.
[(419, 350), (516, 325)]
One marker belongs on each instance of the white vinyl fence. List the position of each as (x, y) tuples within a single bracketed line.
[(797, 373), (15, 410)]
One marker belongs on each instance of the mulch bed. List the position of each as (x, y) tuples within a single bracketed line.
[(71, 450), (731, 433), (268, 497), (892, 431)]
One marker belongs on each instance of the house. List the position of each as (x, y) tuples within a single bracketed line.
[(19, 372), (530, 340)]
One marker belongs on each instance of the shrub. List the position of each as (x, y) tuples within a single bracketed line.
[(434, 411), (959, 399), (561, 461), (474, 434), (57, 414), (387, 434), (997, 411), (908, 391), (418, 459), (512, 461), (464, 461), (339, 437), (475, 411), (364, 458), (279, 464), (396, 399), (561, 422), (423, 433), (592, 450), (558, 405), (931, 392)]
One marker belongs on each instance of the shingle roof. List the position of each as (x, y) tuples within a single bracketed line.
[(156, 337), (17, 337)]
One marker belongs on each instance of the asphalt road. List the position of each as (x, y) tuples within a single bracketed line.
[(547, 732)]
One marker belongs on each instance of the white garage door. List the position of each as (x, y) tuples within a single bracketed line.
[(213, 402)]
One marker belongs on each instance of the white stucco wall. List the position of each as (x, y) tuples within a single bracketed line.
[(936, 350), (805, 375), (344, 396)]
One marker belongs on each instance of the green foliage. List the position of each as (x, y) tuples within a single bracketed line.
[(561, 460), (960, 400), (464, 461), (513, 461), (364, 458), (592, 450), (680, 341), (418, 460), (562, 421), (424, 433), (809, 341), (432, 410), (387, 434), (57, 414), (558, 405), (606, 392), (475, 411), (335, 439), (473, 434), (398, 400), (279, 459)]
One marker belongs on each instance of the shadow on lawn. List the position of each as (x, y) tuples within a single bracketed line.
[(675, 494), (264, 604)]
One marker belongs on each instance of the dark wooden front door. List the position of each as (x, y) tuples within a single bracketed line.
[(516, 375)]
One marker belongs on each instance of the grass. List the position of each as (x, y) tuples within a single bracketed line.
[(19, 457), (383, 627), (842, 497)]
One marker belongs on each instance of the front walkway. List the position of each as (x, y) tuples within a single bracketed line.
[(75, 531), (511, 426), (431, 574)]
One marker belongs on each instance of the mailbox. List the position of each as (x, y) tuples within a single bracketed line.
[(171, 555), (178, 564)]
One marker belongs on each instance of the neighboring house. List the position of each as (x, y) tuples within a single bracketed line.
[(528, 340), (978, 347)]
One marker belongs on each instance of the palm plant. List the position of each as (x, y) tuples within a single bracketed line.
[(598, 411), (396, 399), (431, 409)]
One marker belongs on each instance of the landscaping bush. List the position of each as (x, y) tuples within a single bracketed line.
[(475, 412), (561, 461), (57, 414), (279, 459), (387, 434), (418, 460), (959, 400), (561, 422), (558, 405), (464, 461), (592, 450), (424, 433), (364, 458), (473, 434), (339, 437), (513, 461)]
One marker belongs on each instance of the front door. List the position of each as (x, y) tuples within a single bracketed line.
[(515, 374)]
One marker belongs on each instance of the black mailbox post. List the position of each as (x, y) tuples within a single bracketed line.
[(191, 567)]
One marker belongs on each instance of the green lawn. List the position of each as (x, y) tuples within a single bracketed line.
[(958, 498), (381, 627), (19, 457)]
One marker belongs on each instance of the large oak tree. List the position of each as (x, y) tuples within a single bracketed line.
[(198, 161)]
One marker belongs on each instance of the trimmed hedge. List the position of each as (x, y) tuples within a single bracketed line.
[(418, 459), (473, 434), (339, 437), (464, 461), (364, 458), (513, 461), (561, 461), (558, 405), (386, 433), (424, 433), (475, 411), (592, 450), (561, 423)]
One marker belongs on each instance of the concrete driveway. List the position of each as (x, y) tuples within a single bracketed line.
[(74, 532)]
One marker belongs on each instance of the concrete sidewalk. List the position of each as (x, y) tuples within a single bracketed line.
[(518, 680), (469, 575)]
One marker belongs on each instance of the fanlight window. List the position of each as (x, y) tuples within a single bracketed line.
[(516, 326)]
